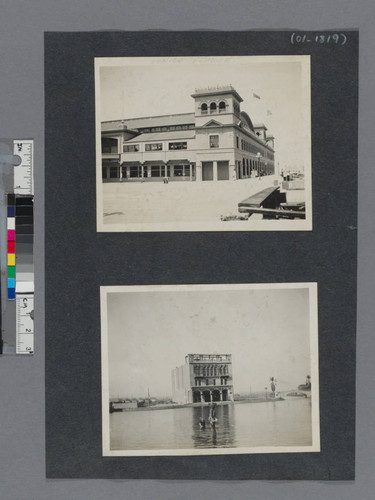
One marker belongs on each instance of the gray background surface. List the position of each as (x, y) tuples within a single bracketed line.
[(22, 24)]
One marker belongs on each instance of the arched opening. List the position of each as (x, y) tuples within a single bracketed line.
[(225, 394), (196, 397), (222, 107), (207, 396), (215, 396), (204, 108), (213, 107)]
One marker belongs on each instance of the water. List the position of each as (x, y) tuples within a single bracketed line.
[(284, 423)]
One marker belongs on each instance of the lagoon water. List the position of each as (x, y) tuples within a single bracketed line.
[(282, 423)]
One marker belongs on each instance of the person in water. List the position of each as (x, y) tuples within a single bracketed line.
[(202, 423), (212, 418)]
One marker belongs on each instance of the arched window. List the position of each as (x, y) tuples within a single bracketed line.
[(204, 108), (222, 107), (213, 107)]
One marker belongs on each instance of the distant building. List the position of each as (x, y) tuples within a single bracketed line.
[(203, 378), (218, 142)]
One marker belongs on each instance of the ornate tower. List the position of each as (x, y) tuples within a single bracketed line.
[(219, 104)]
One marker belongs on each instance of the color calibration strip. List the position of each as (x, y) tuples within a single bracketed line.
[(11, 231), (17, 246)]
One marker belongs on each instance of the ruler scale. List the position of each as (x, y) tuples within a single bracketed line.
[(23, 173), (24, 324)]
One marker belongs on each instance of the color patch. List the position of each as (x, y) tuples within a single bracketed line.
[(11, 247), (11, 272), (11, 199), (11, 211), (11, 223), (11, 235), (11, 293), (11, 259), (11, 283)]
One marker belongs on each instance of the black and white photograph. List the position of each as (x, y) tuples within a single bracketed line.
[(210, 369), (203, 143)]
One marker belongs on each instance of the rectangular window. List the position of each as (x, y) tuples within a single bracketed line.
[(155, 171), (104, 172), (114, 172), (134, 171), (237, 142), (214, 141), (178, 170), (178, 145), (154, 147), (133, 148)]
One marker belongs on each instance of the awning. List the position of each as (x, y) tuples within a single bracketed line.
[(153, 162), (131, 163), (178, 162), (110, 163)]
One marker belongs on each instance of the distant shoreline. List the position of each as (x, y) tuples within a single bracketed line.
[(191, 405)]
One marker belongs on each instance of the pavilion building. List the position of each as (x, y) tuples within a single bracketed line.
[(216, 142)]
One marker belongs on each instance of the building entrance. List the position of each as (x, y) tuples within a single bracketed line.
[(207, 171), (223, 171)]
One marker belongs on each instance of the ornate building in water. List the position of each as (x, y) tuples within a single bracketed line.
[(216, 142), (203, 378)]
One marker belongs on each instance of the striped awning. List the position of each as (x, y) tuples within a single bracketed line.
[(178, 162), (153, 163)]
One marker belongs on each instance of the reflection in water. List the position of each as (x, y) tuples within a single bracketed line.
[(220, 434), (284, 423)]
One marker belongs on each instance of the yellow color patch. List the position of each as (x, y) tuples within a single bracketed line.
[(11, 259)]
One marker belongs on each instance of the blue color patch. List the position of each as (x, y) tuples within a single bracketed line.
[(11, 211), (11, 283), (11, 293)]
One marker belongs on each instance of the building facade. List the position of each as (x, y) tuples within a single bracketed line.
[(203, 378), (216, 142)]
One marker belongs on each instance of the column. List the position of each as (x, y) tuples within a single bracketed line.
[(211, 397), (202, 397), (215, 171), (120, 167), (198, 171), (221, 394)]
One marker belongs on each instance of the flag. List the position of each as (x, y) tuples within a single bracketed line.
[(256, 95)]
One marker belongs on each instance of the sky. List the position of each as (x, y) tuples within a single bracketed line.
[(267, 331), (136, 87)]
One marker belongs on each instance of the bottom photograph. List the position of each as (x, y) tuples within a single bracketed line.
[(210, 369)]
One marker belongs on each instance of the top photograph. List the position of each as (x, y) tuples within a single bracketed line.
[(203, 143)]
